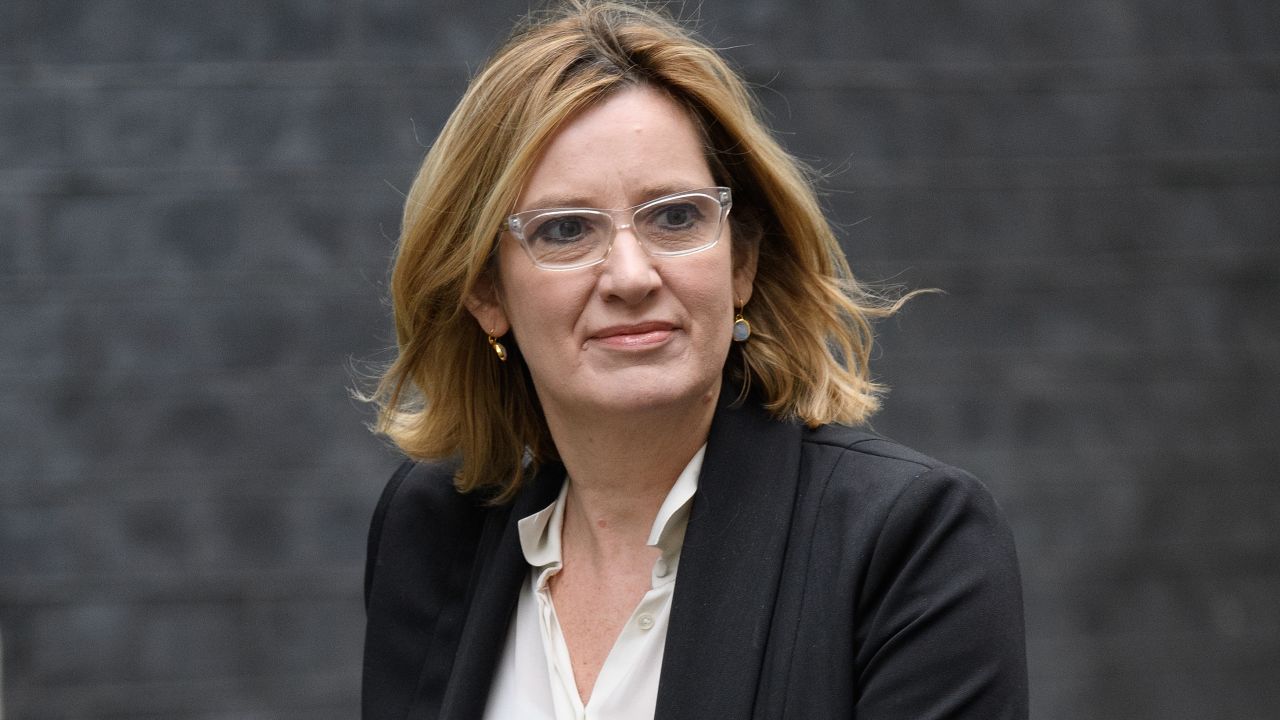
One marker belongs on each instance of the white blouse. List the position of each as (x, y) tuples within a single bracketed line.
[(535, 678)]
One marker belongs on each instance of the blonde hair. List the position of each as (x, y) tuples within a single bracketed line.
[(447, 395)]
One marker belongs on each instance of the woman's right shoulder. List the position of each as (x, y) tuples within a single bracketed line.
[(424, 490), (420, 514)]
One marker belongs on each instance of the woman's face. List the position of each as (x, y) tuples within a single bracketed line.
[(635, 331)]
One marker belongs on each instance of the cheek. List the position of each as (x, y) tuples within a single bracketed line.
[(543, 308), (708, 294), (714, 304)]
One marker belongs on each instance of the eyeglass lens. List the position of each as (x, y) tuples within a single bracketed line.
[(669, 226)]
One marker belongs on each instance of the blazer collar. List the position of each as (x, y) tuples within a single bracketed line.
[(730, 565), (495, 589)]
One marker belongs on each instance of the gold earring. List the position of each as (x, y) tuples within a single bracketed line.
[(498, 349), (741, 328)]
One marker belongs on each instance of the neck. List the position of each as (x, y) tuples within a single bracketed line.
[(622, 468)]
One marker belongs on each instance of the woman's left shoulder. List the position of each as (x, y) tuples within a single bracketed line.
[(923, 554), (859, 467)]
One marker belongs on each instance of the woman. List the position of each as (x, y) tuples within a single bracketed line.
[(631, 362)]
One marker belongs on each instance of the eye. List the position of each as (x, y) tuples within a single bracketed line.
[(675, 216), (561, 230)]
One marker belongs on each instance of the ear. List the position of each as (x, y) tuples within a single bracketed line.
[(744, 274), (485, 305)]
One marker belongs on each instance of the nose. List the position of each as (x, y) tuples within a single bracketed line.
[(628, 273)]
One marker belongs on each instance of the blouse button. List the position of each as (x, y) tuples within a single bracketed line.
[(660, 568), (645, 621)]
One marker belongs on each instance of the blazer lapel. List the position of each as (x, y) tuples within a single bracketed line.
[(730, 565), (495, 590)]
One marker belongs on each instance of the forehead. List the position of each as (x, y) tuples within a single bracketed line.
[(633, 146)]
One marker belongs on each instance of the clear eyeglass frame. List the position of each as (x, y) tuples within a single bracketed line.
[(517, 222)]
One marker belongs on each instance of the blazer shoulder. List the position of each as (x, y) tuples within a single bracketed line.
[(419, 504), (926, 558), (423, 550), (857, 464), (419, 488), (851, 444)]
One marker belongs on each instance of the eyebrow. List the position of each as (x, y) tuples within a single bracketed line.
[(574, 202)]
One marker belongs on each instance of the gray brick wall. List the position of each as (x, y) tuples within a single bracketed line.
[(197, 206)]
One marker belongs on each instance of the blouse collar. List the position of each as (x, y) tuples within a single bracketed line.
[(540, 532)]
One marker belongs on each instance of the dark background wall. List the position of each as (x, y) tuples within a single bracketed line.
[(198, 202)]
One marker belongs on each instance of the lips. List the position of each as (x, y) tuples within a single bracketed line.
[(635, 335)]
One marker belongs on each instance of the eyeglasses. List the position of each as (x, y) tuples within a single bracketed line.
[(682, 223)]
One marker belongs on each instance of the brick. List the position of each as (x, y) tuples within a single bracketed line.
[(1106, 516), (154, 30), (228, 332), (193, 234), (434, 31), (1144, 676), (65, 644), (94, 643), (341, 124), (1036, 121), (243, 424), (96, 232), (139, 539), (19, 24), (1139, 317), (1029, 413), (285, 532), (132, 126), (1084, 235), (11, 247), (237, 126), (768, 33), (314, 696), (34, 124)]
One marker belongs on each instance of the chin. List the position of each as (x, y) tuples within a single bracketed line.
[(659, 391)]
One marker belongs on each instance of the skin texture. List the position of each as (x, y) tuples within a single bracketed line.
[(626, 356)]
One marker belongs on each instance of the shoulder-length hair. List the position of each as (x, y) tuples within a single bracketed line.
[(447, 395)]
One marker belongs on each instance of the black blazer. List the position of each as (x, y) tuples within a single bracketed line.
[(825, 573)]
